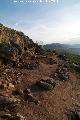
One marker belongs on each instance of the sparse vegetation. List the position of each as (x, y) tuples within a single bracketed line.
[(73, 59), (39, 85)]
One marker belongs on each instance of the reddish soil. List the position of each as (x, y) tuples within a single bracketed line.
[(54, 103)]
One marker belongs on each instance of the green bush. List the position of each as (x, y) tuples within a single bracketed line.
[(73, 59)]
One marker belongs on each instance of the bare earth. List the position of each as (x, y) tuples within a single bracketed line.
[(53, 104)]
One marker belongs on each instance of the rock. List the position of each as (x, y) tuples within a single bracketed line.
[(17, 47), (66, 64), (10, 117), (8, 52), (3, 86), (18, 92), (30, 65), (50, 81), (76, 67), (20, 117), (5, 117), (62, 56), (51, 61), (72, 115), (30, 98), (46, 84), (11, 86), (8, 103), (27, 91), (63, 72)]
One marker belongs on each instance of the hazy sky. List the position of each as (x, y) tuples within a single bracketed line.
[(47, 22)]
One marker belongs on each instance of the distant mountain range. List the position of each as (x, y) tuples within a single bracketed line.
[(74, 48)]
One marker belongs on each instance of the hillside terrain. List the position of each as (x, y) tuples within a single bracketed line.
[(35, 84), (73, 49)]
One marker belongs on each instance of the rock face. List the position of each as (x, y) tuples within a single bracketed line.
[(10, 35), (15, 45)]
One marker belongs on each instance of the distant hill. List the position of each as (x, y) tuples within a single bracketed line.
[(76, 45), (74, 48)]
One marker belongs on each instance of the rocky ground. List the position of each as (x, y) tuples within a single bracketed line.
[(35, 85), (35, 93)]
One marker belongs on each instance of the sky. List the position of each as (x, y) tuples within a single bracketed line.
[(44, 21)]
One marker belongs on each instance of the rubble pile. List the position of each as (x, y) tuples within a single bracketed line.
[(63, 72)]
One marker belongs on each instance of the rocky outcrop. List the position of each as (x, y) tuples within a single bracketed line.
[(15, 46), (10, 35)]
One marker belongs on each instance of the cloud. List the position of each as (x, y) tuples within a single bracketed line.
[(57, 33), (59, 26)]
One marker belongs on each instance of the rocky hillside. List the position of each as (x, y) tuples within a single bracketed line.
[(37, 86), (7, 35), (15, 46), (73, 49)]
